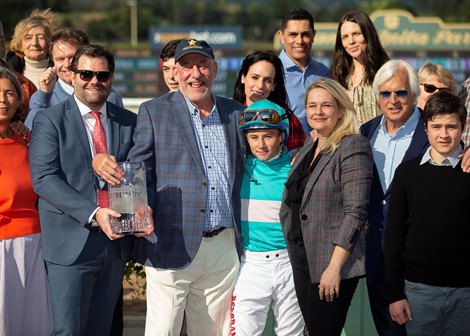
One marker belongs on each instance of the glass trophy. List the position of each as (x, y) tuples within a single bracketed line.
[(129, 198)]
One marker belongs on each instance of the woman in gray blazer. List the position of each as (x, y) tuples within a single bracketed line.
[(324, 208)]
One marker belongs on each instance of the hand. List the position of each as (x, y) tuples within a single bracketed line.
[(329, 284), (465, 157), (47, 80), (105, 166), (103, 217), (19, 128), (150, 226), (314, 134), (294, 156), (366, 226), (400, 311)]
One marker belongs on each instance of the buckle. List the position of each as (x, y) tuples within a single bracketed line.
[(210, 234)]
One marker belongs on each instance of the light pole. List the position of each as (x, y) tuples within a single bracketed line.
[(133, 16)]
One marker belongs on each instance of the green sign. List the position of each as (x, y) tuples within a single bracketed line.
[(400, 30)]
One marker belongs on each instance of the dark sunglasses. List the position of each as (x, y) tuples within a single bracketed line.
[(429, 88), (268, 116), (87, 75), (401, 94)]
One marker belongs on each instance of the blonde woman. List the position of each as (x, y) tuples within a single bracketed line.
[(324, 208), (434, 78)]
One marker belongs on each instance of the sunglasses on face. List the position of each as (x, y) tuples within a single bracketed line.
[(268, 116), (87, 75), (429, 88), (401, 94)]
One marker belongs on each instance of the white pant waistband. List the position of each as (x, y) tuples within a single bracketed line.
[(266, 256)]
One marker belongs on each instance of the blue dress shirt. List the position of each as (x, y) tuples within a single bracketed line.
[(214, 154), (389, 150), (297, 82)]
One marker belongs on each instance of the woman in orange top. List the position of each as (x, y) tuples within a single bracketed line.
[(24, 302)]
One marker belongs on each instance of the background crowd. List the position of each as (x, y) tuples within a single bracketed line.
[(282, 197)]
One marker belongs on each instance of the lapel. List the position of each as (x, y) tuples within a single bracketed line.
[(179, 111), (74, 123), (307, 147), (230, 131), (313, 178), (114, 130), (419, 143), (326, 157)]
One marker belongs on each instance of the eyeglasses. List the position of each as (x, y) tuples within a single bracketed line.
[(87, 75), (401, 94), (268, 116), (429, 88)]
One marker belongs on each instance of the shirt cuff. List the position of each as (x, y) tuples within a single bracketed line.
[(91, 220)]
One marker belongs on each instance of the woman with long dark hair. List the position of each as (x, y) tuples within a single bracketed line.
[(262, 77), (358, 56)]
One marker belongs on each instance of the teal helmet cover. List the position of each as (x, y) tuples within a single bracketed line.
[(265, 104)]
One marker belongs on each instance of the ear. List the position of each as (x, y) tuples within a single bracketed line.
[(243, 79), (174, 71), (281, 36), (274, 87), (216, 69)]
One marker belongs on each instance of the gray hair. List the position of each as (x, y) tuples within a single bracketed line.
[(390, 69)]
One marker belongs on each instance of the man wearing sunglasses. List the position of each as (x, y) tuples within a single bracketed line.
[(55, 84), (84, 257), (396, 137)]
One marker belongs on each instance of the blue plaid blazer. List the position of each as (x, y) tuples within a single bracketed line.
[(177, 185)]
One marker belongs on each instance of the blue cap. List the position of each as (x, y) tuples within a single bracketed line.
[(193, 46), (266, 104)]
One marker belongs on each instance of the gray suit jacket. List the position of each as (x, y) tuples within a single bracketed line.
[(177, 186), (334, 206), (63, 177)]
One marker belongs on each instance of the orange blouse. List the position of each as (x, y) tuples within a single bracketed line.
[(18, 212)]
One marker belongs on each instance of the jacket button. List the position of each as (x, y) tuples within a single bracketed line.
[(202, 210), (204, 184), (384, 202), (304, 217)]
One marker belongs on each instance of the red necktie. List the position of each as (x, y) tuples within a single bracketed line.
[(99, 142)]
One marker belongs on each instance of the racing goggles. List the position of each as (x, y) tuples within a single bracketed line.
[(267, 115)]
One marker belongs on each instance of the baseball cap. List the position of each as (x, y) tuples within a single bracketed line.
[(193, 46)]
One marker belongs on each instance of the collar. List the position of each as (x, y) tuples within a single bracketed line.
[(42, 64), (289, 63), (67, 88), (84, 110), (451, 160), (193, 108), (407, 128)]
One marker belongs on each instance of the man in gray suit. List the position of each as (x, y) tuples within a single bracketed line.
[(192, 148), (84, 258), (191, 145)]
